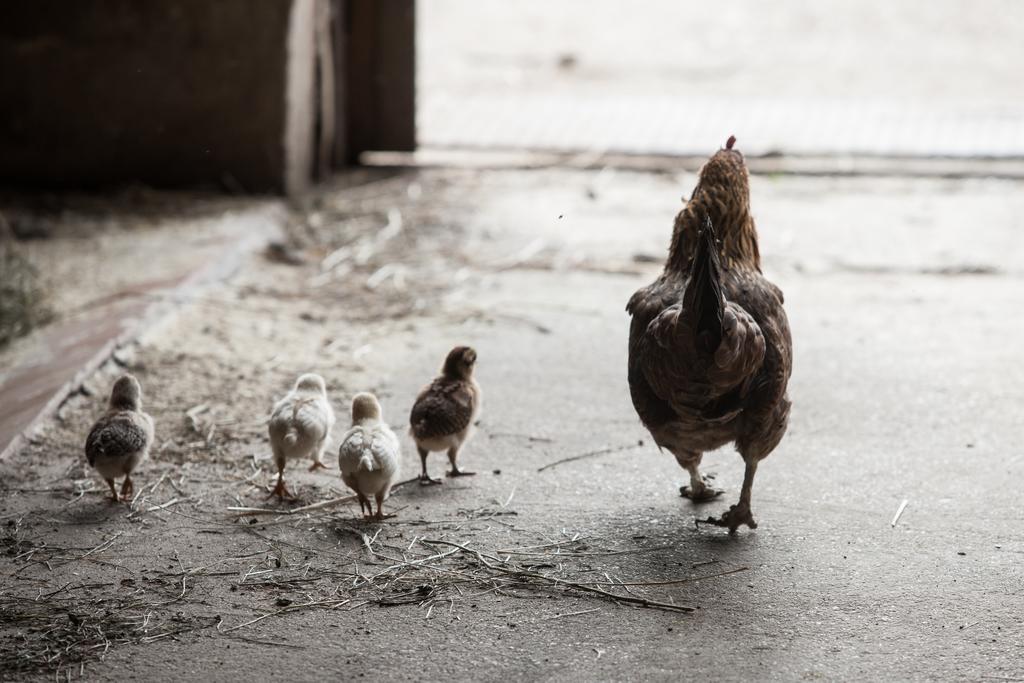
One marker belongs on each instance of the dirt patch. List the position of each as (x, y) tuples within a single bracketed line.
[(379, 258)]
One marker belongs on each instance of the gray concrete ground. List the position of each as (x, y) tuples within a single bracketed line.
[(902, 297), (914, 78), (948, 52)]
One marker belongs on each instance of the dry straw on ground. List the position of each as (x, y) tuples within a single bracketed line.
[(23, 298)]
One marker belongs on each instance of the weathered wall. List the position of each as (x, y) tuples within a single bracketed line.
[(175, 92), (379, 85)]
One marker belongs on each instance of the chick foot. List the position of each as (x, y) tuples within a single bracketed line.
[(317, 465), (736, 516), (427, 480), (281, 491), (456, 472)]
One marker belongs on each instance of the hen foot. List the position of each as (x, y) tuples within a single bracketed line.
[(703, 494), (736, 516), (426, 480)]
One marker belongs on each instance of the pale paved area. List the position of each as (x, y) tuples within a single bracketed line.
[(918, 79), (906, 386)]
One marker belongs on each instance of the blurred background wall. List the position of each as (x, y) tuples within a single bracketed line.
[(246, 96)]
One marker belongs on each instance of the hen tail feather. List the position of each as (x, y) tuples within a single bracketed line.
[(703, 298)]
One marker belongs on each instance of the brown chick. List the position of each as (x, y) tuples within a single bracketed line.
[(710, 353), (443, 416), (121, 439)]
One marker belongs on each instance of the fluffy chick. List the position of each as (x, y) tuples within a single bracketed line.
[(300, 425), (369, 455), (121, 439), (443, 416)]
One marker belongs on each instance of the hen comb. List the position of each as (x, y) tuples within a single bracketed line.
[(730, 142)]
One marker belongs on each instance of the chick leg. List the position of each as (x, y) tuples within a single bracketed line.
[(127, 488), (364, 505), (453, 456), (380, 515), (425, 479), (318, 457), (113, 492), (739, 513), (698, 491), (280, 490)]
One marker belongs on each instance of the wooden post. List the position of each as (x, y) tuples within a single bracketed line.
[(377, 103)]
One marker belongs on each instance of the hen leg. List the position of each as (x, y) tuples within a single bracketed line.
[(425, 479), (698, 491), (739, 513), (453, 456)]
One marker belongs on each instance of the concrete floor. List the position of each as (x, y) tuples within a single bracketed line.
[(906, 387), (903, 296)]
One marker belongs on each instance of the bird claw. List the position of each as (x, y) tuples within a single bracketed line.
[(459, 473), (425, 480), (281, 491), (704, 495), (733, 518), (317, 465)]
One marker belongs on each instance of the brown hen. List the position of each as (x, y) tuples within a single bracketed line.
[(710, 352)]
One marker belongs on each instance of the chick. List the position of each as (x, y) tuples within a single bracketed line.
[(300, 425), (369, 455), (444, 413), (121, 439)]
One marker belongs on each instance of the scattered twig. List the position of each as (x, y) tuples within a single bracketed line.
[(899, 513), (520, 573), (515, 435), (510, 497), (102, 546), (572, 614), (589, 454), (246, 511), (334, 603)]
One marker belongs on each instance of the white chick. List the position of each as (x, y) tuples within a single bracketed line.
[(121, 439), (370, 454), (300, 425)]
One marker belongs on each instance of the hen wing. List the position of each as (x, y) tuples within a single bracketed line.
[(680, 368)]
